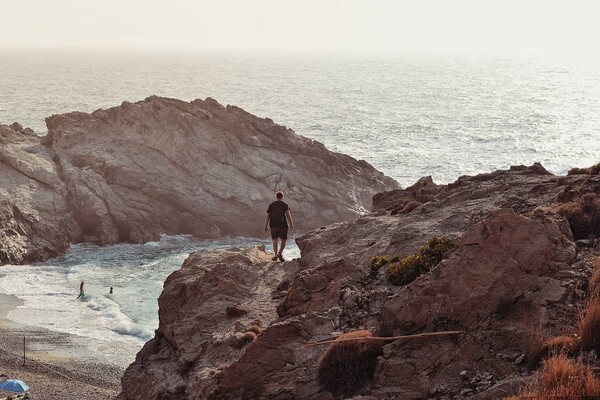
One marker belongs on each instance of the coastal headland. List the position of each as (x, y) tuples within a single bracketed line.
[(132, 172), (516, 258), (516, 278)]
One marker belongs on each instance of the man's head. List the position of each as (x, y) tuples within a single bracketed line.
[(279, 195)]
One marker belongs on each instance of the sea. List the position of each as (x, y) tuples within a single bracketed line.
[(409, 115)]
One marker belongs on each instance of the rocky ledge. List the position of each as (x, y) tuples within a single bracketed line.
[(234, 325), (133, 172)]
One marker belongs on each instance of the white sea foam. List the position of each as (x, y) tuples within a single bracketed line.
[(128, 317)]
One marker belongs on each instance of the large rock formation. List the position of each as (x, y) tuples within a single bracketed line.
[(35, 220), (515, 276), (163, 165), (132, 172)]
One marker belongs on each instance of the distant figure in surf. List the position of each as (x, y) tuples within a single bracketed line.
[(81, 294), (278, 215), (111, 290)]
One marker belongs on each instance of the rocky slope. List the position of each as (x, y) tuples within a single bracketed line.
[(35, 218), (132, 172), (516, 276)]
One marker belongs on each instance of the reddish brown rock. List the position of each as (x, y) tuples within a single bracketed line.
[(508, 277), (516, 272)]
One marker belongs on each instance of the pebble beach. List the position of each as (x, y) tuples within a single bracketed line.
[(56, 366)]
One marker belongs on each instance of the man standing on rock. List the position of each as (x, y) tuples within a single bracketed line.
[(278, 215)]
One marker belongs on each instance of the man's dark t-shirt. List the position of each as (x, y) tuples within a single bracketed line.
[(276, 213)]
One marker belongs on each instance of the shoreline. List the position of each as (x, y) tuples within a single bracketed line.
[(7, 304), (56, 365)]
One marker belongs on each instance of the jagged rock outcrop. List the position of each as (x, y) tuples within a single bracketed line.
[(196, 336), (515, 276), (133, 172), (168, 166), (35, 219)]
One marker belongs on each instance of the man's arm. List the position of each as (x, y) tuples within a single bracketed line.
[(288, 214), (267, 222)]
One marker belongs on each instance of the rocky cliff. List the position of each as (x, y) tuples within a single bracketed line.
[(36, 221), (516, 276), (132, 172)]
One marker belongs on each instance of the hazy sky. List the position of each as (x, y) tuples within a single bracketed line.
[(367, 25)]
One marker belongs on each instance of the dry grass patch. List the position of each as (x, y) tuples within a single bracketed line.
[(542, 349), (593, 170), (347, 366), (583, 215), (589, 327), (562, 378), (594, 283)]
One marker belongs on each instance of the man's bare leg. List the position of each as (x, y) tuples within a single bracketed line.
[(280, 255), (275, 243)]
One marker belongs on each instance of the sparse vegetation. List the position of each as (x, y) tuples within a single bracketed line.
[(410, 268), (593, 170), (541, 349), (347, 366), (594, 283), (583, 215), (562, 378), (589, 327), (378, 261)]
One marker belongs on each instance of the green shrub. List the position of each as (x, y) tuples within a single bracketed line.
[(377, 262), (437, 249), (407, 270)]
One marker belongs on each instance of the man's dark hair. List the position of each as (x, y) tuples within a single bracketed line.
[(279, 195)]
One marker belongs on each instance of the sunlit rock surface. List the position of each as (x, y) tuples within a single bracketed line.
[(515, 277), (133, 172)]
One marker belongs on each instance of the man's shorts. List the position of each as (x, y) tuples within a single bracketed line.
[(279, 232)]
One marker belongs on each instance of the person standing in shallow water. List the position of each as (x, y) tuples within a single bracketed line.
[(81, 294), (278, 215)]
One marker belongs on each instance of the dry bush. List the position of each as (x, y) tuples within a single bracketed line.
[(346, 366), (589, 327), (594, 283), (593, 170), (562, 378), (541, 349), (583, 215), (410, 206)]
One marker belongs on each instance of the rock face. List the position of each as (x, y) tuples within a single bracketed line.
[(514, 277), (35, 219), (132, 172), (163, 165), (508, 272), (196, 336)]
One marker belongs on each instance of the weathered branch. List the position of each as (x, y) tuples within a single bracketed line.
[(384, 339)]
